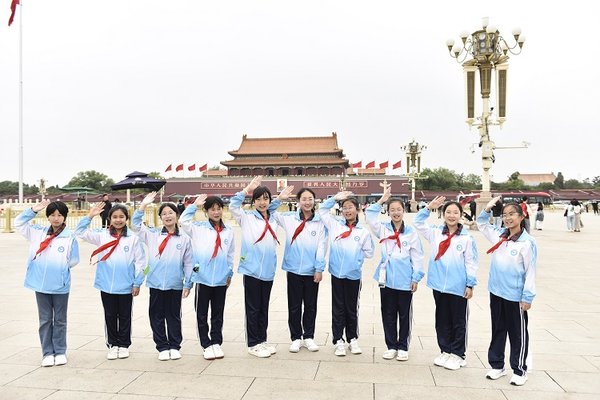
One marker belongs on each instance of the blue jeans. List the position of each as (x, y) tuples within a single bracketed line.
[(52, 312)]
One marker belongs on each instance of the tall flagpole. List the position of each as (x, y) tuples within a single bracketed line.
[(21, 102)]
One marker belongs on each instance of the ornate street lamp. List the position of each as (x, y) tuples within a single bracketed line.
[(413, 152), (485, 50)]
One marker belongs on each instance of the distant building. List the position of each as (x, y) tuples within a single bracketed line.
[(536, 179), (315, 162), (289, 156)]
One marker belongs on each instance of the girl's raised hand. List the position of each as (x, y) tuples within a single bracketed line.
[(436, 202), (387, 193), (96, 209), (285, 193), (343, 195), (492, 203), (199, 202), (40, 206), (254, 183), (149, 199)]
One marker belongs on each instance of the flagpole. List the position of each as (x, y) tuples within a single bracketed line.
[(21, 102)]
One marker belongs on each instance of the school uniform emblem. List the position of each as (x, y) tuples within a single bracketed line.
[(313, 233), (356, 238), (404, 243), (513, 252), (459, 247), (125, 249), (61, 249), (179, 246), (226, 241)]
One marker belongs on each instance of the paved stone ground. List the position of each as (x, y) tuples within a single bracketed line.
[(564, 328)]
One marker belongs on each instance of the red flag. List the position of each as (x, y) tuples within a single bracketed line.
[(384, 165), (357, 165), (169, 168), (179, 168), (13, 10), (397, 165), (203, 168), (192, 167), (371, 164)]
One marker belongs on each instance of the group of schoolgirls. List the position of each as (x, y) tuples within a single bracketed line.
[(201, 254), (204, 255)]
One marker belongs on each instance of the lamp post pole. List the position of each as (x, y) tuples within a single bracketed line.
[(485, 51), (413, 152)]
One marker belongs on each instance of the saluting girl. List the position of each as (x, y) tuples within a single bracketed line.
[(168, 275), (350, 243), (398, 272), (304, 262), (53, 251), (451, 276), (119, 273), (258, 261), (213, 248), (512, 288)]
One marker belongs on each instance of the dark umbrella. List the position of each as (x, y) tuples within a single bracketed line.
[(139, 180)]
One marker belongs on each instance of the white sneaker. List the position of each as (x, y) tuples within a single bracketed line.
[(454, 362), (311, 345), (60, 359), (295, 346), (340, 348), (518, 380), (164, 355), (402, 355), (494, 374), (354, 347), (259, 351), (123, 352), (48, 361), (209, 353), (218, 351), (389, 354), (174, 354), (113, 353), (441, 359), (270, 348)]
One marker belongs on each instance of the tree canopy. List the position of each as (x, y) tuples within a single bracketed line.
[(92, 179)]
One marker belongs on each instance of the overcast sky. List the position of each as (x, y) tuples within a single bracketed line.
[(117, 86)]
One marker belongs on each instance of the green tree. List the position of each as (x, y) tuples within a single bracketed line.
[(9, 188), (596, 181), (155, 175), (439, 179), (559, 182), (92, 179), (573, 184), (545, 186)]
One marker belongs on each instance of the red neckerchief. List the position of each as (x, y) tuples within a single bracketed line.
[(113, 245), (267, 228), (163, 244), (301, 227), (348, 232), (445, 244), (218, 229), (505, 236), (396, 235), (51, 235)]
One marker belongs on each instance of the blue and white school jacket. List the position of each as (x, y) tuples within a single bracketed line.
[(124, 269), (457, 268), (174, 266), (50, 272), (307, 254), (207, 270), (258, 260), (399, 267), (346, 256), (512, 271)]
